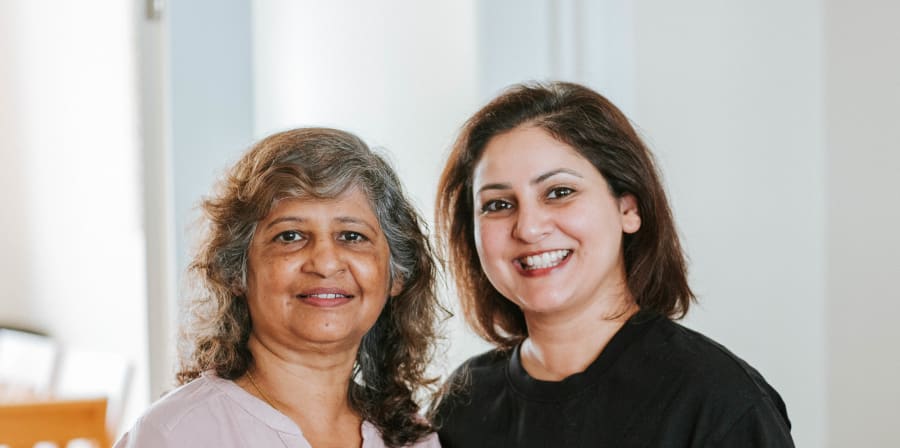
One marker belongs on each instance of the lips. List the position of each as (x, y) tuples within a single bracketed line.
[(543, 260), (325, 296)]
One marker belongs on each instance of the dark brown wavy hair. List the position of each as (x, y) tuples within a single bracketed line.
[(390, 369), (583, 119)]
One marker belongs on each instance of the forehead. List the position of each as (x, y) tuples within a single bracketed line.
[(352, 202), (526, 152)]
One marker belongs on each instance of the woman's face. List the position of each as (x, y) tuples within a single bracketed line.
[(548, 231), (318, 272)]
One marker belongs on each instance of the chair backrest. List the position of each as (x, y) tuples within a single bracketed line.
[(27, 424), (27, 363), (83, 374)]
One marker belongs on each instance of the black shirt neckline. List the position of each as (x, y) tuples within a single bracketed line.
[(551, 391)]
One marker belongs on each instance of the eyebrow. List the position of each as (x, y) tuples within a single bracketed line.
[(536, 180), (352, 220), (552, 173), (340, 219), (284, 219)]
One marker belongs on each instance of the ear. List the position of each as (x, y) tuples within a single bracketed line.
[(396, 286), (630, 215)]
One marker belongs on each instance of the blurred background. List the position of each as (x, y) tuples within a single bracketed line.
[(775, 123)]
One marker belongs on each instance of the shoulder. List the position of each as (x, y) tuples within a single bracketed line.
[(705, 361), (488, 363), (703, 381), (488, 368), (185, 410), (476, 376), (186, 401)]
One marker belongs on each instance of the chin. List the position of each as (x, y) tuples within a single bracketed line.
[(325, 335), (543, 305)]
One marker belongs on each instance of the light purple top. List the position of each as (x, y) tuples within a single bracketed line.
[(211, 411)]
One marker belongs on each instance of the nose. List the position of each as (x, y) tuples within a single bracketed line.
[(324, 259), (533, 223)]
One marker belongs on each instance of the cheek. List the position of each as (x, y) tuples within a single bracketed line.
[(271, 271), (489, 241), (372, 271), (598, 230), (580, 226), (478, 230), (271, 276)]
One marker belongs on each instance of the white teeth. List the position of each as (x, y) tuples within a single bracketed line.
[(544, 260), (326, 296)]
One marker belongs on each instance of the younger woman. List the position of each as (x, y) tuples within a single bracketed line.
[(557, 230)]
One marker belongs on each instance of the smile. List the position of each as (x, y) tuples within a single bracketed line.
[(325, 296), (544, 260)]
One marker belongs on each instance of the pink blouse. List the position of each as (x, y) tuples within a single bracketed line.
[(211, 411)]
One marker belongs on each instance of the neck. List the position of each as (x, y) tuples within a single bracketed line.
[(310, 387), (559, 346)]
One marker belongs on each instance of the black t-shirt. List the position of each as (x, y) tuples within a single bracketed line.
[(656, 384)]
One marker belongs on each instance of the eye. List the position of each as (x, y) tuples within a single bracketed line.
[(559, 192), (353, 237), (495, 205), (289, 236)]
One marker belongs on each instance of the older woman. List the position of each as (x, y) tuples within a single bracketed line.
[(315, 322), (559, 235)]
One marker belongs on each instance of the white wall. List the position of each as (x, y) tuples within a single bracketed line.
[(375, 68), (159, 215), (516, 41), (210, 69), (68, 153), (863, 98), (729, 96), (584, 41), (15, 309)]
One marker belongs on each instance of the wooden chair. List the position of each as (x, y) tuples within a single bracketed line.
[(24, 425)]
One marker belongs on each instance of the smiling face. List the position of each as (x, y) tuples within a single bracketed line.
[(318, 272), (548, 230)]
